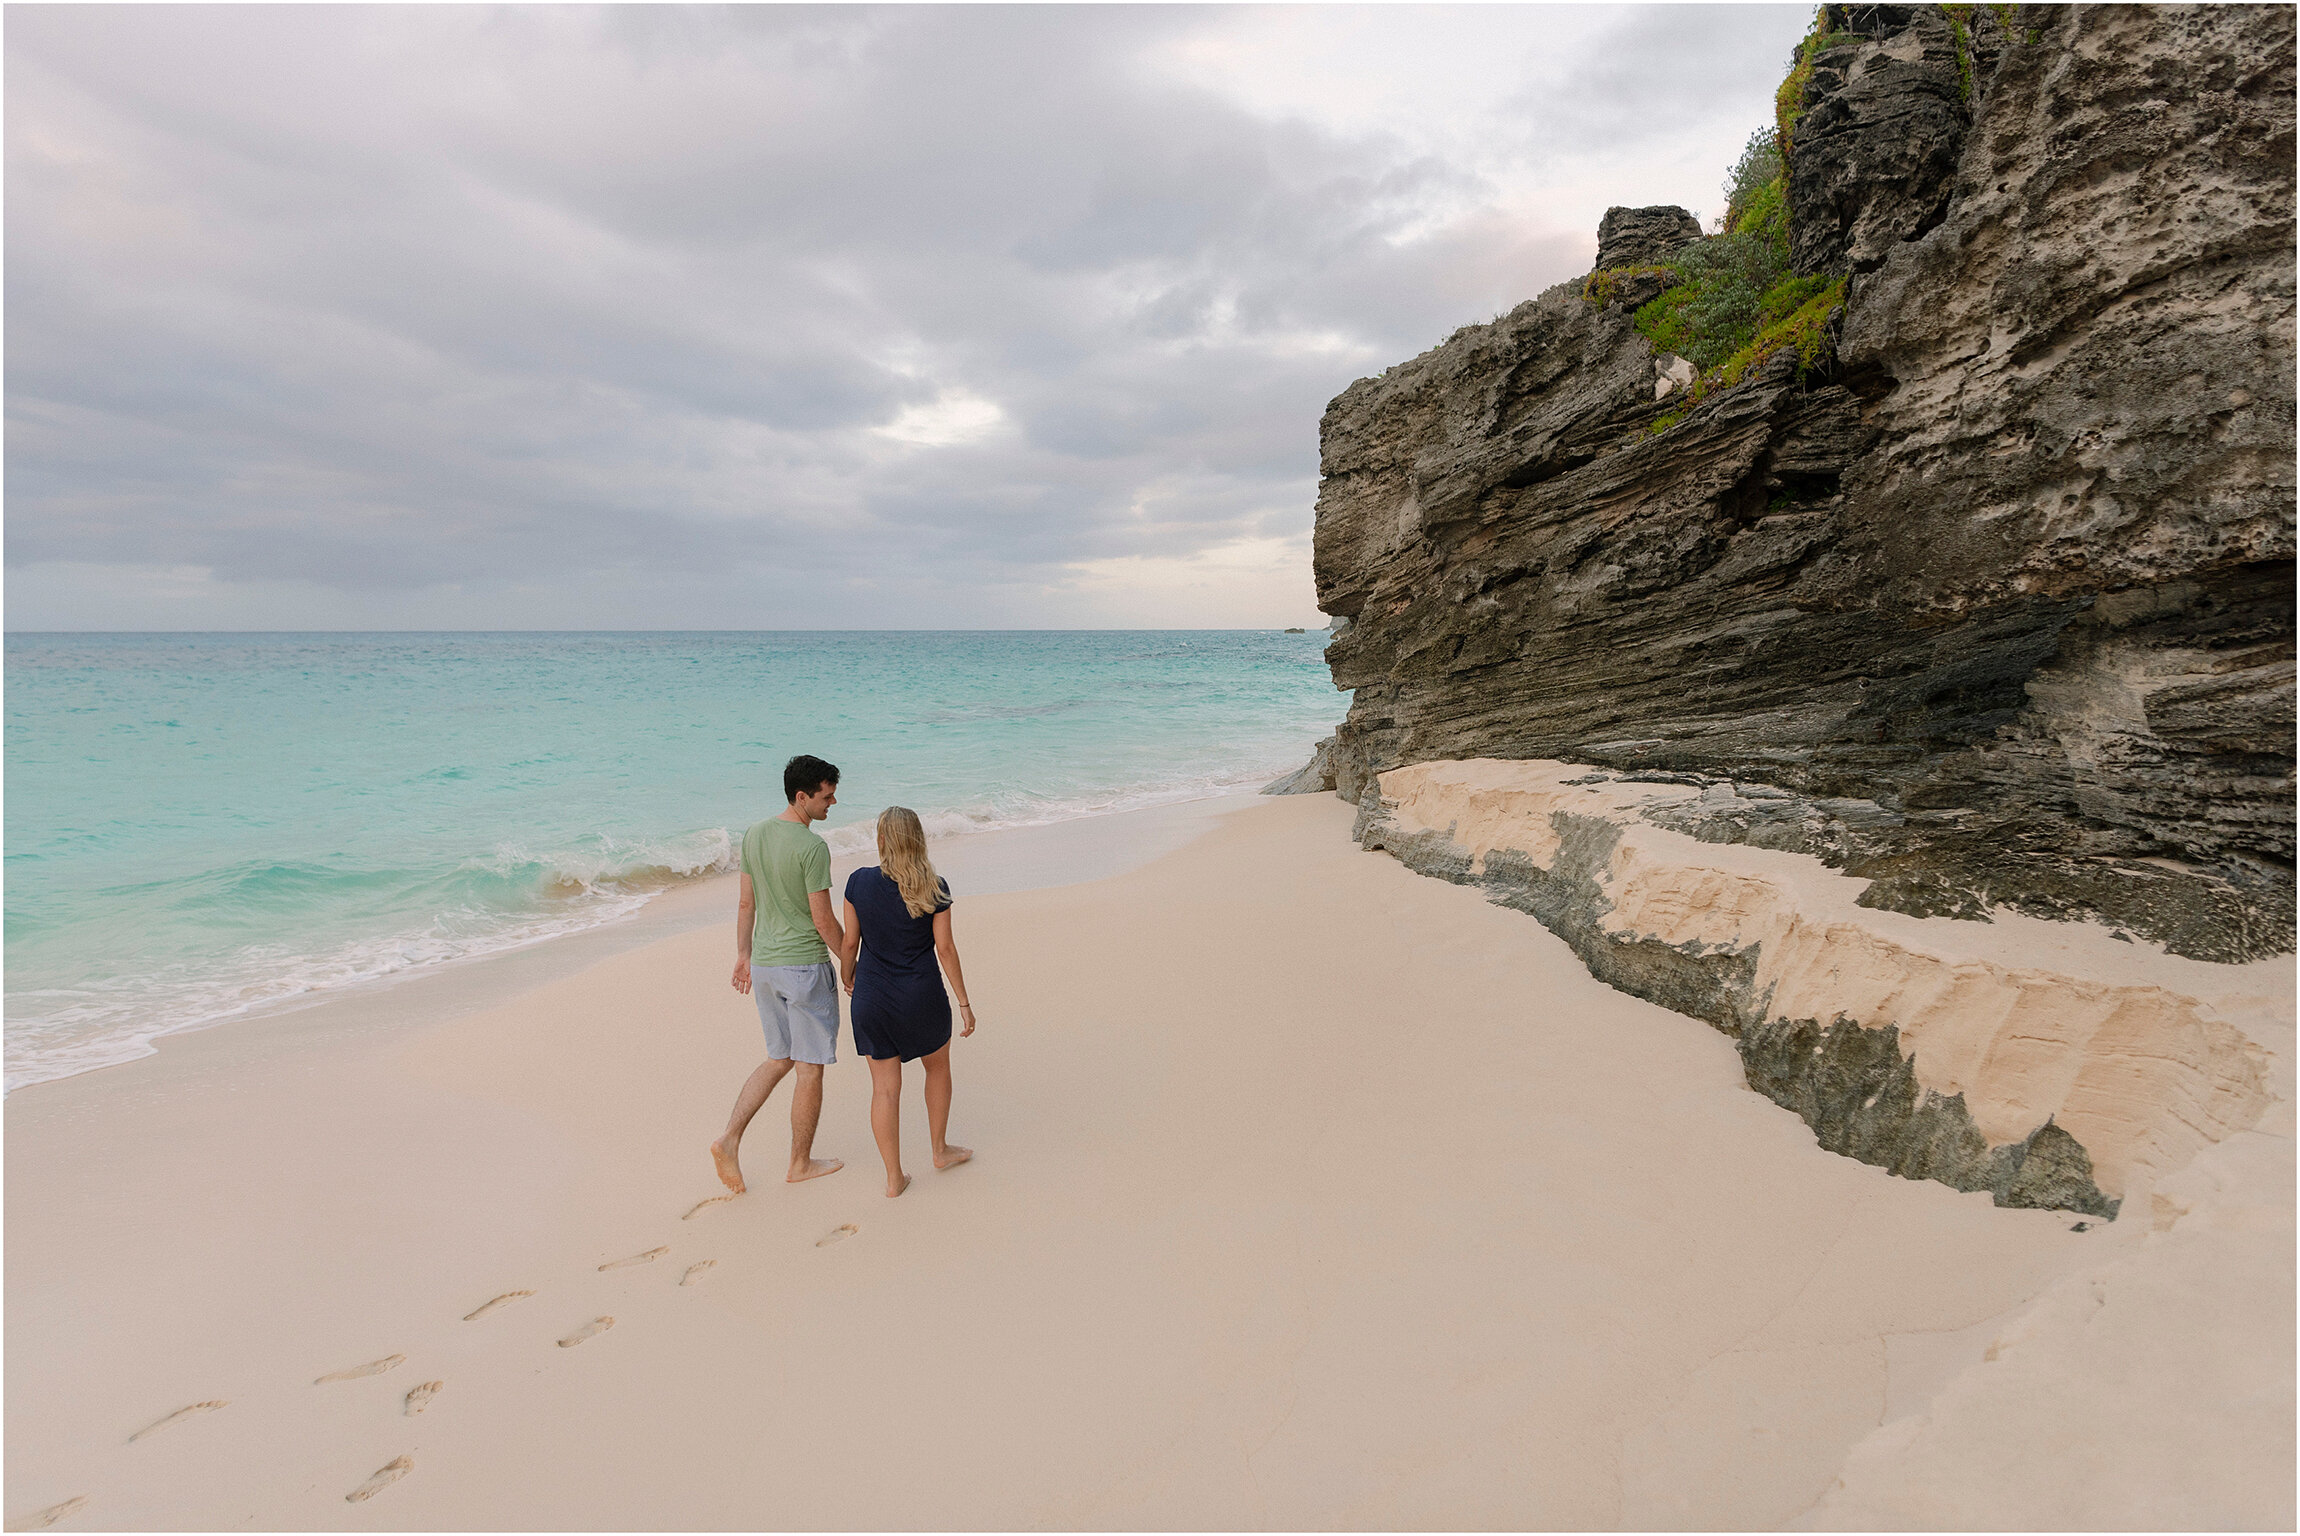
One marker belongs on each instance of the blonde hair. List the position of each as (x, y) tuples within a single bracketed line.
[(902, 856)]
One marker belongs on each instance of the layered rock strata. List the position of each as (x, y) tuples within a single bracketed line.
[(2051, 1065), (2001, 603), (1882, 127), (1637, 237)]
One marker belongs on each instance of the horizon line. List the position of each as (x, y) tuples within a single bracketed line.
[(1110, 629)]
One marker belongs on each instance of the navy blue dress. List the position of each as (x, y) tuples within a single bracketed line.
[(899, 1007)]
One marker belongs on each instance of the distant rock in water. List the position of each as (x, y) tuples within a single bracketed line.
[(1295, 629), (1998, 593)]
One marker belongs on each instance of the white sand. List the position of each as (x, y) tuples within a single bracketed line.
[(1309, 1193)]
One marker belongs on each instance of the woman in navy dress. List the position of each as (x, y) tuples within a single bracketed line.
[(898, 926)]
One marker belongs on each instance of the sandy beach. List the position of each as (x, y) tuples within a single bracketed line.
[(1309, 1193)]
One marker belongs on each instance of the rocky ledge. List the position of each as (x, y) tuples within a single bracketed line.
[(2053, 1065), (1993, 611)]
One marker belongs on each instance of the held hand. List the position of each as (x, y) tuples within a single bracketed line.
[(965, 1019), (743, 977), (847, 979)]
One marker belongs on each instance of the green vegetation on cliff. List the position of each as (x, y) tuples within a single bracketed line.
[(1963, 43), (1733, 300), (1724, 286), (1789, 99)]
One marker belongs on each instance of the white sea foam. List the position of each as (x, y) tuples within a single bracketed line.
[(58, 1033), (860, 836)]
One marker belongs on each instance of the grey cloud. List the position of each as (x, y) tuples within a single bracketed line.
[(415, 300), (1689, 64)]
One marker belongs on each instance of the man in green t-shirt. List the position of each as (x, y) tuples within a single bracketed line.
[(785, 935)]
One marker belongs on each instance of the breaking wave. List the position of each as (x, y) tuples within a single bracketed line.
[(489, 905), (208, 827)]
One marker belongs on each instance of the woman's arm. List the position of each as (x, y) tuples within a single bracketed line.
[(946, 950), (849, 949)]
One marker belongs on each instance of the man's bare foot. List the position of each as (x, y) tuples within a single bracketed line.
[(951, 1157), (723, 1158), (816, 1167), (894, 1189)]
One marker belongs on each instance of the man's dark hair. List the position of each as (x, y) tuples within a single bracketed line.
[(803, 775)]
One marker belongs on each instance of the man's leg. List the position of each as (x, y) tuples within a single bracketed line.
[(726, 1151), (806, 1109), (938, 1110)]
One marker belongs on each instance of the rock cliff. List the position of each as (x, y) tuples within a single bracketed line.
[(2001, 596), (1990, 610)]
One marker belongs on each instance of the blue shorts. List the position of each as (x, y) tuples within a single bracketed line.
[(799, 1010)]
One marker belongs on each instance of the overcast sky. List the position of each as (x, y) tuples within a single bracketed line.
[(773, 316)]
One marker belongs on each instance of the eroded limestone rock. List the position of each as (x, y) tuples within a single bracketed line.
[(1313, 777), (2051, 1065), (1639, 237), (1883, 124), (2003, 608)]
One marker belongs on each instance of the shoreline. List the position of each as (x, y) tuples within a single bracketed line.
[(303, 846), (996, 859)]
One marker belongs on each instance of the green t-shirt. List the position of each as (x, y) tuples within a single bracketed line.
[(785, 861)]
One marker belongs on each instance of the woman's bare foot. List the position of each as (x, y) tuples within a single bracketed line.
[(897, 1186), (723, 1158), (951, 1157), (815, 1168)]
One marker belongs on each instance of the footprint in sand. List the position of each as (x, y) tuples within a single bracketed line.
[(844, 1229), (56, 1512), (649, 1257), (701, 1206), (597, 1325), (419, 1398), (387, 1474), (192, 1411), (695, 1271), (500, 1302), (372, 1368)]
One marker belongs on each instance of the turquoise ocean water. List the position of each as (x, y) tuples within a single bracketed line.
[(201, 827)]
